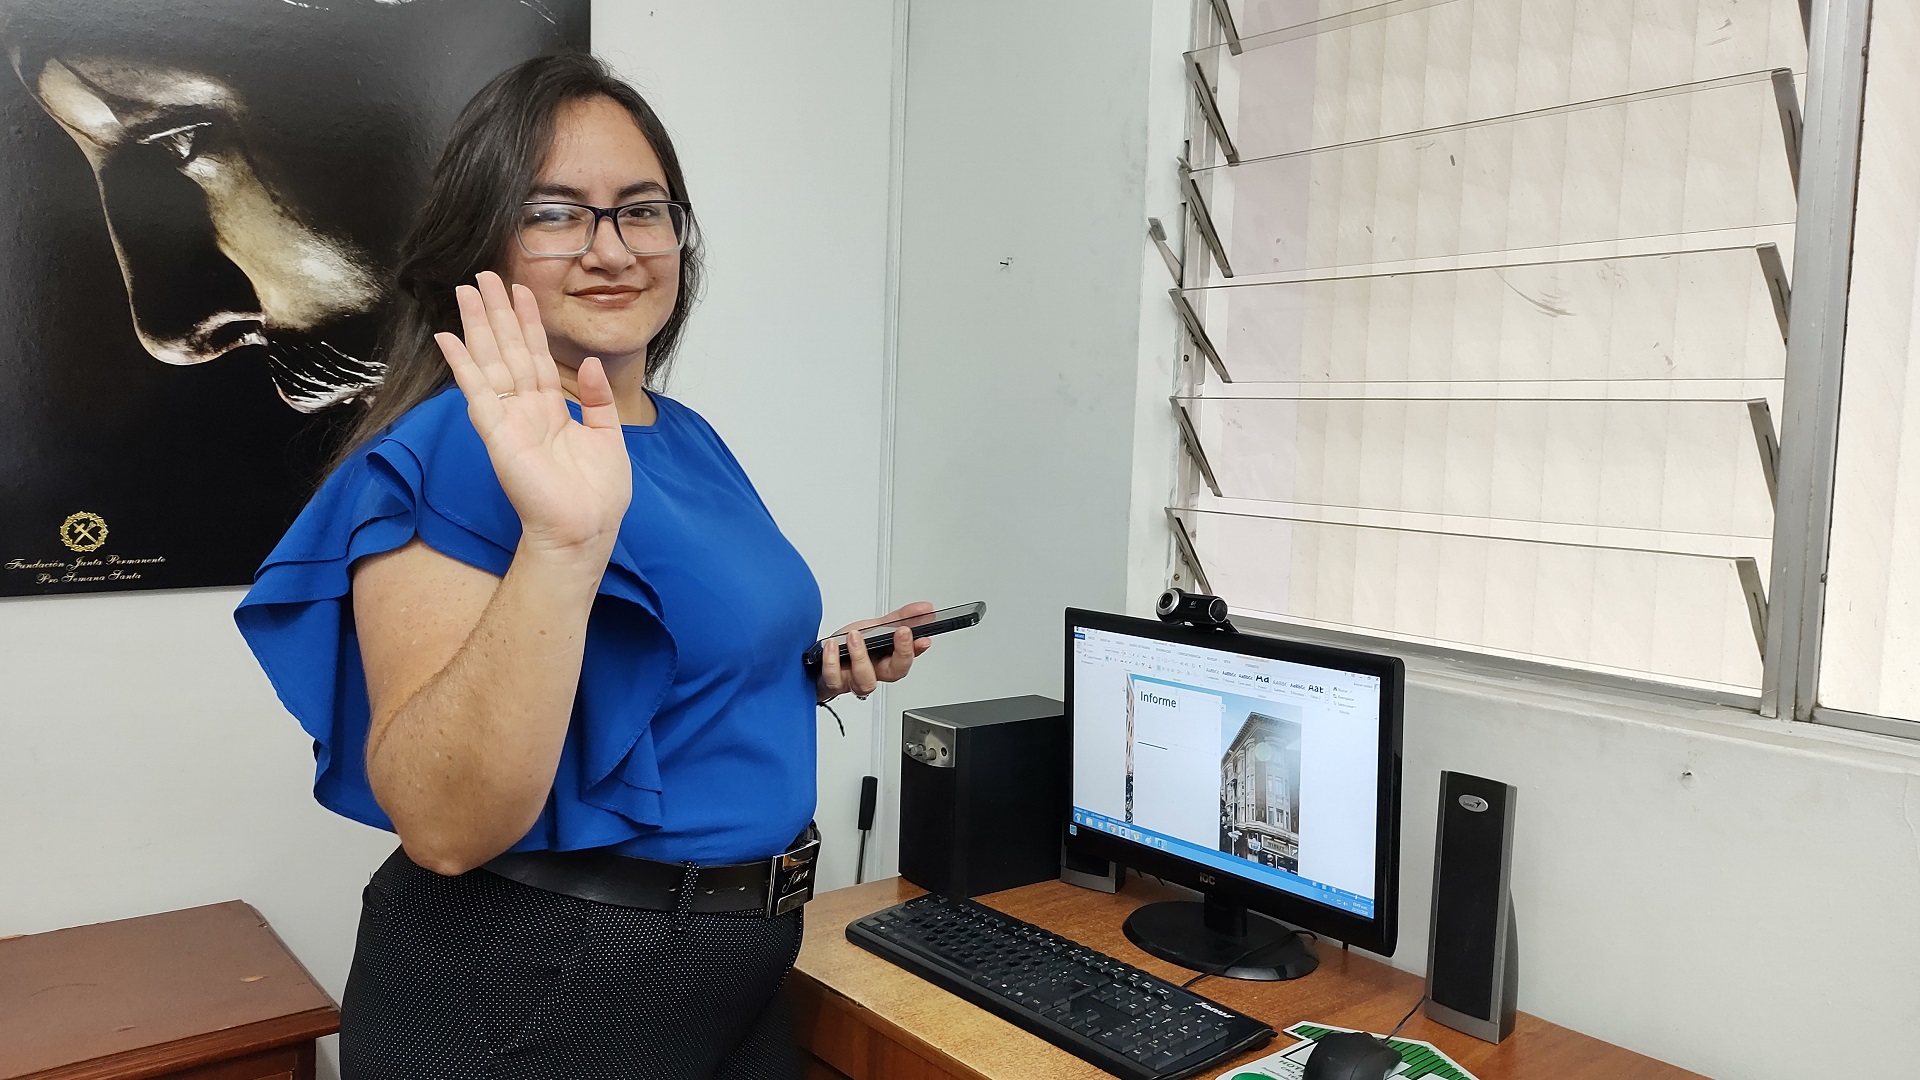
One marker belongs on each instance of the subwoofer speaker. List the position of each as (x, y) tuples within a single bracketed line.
[(1473, 956), (983, 794), (1088, 871)]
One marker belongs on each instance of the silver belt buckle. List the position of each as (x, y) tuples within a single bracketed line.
[(790, 884)]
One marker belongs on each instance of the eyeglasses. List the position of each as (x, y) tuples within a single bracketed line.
[(561, 230)]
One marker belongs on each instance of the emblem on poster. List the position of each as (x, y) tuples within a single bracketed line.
[(84, 532)]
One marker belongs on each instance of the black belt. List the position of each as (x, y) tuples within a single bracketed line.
[(770, 886)]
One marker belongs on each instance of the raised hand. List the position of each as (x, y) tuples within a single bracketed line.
[(569, 480)]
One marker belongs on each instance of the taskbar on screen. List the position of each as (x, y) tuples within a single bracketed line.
[(1257, 872)]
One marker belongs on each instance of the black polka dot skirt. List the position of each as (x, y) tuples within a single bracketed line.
[(479, 976)]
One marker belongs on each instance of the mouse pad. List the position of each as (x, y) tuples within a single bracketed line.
[(1419, 1060)]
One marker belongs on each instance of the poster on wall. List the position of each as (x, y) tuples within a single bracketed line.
[(200, 202)]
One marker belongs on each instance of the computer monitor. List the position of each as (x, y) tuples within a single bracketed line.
[(1263, 773)]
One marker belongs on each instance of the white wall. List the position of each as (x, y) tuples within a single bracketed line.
[(1023, 197)]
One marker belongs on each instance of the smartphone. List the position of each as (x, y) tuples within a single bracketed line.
[(879, 639)]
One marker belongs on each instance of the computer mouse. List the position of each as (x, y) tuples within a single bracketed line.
[(1350, 1055)]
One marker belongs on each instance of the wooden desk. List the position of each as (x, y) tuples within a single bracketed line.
[(865, 1019), (207, 993)]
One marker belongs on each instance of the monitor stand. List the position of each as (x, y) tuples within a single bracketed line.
[(1219, 937)]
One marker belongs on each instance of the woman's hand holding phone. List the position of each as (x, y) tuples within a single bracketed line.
[(861, 674)]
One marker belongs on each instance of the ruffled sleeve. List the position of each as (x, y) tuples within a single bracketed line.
[(429, 477)]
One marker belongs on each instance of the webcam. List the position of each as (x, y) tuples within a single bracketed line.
[(1198, 610)]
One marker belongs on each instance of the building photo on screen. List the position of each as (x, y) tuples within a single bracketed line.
[(1254, 760)]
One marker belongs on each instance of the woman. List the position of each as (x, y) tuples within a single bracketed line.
[(540, 625)]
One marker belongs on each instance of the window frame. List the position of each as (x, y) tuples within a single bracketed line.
[(1816, 340)]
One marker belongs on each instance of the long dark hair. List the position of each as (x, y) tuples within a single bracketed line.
[(496, 147)]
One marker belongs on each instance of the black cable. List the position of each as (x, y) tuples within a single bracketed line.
[(1231, 964), (836, 719), (1409, 1016)]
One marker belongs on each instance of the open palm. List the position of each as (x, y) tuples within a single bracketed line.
[(570, 481)]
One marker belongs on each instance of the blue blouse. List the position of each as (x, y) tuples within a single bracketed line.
[(692, 737)]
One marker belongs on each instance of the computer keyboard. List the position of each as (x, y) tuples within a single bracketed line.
[(1120, 1018)]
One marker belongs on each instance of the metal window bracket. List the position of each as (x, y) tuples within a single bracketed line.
[(1791, 126), (1761, 415), (1158, 233), (1210, 110), (1191, 439), (1755, 588), (1199, 334), (1203, 220), (1227, 29), (1187, 553), (1774, 269)]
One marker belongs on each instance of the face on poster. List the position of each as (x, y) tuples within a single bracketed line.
[(200, 205)]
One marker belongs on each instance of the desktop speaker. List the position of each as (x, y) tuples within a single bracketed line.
[(983, 794), (1472, 956), (1087, 870)]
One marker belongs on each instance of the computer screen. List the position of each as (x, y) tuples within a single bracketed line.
[(1236, 759)]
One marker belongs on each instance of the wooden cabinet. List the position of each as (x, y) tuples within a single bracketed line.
[(207, 993)]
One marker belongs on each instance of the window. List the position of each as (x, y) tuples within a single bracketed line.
[(1870, 656), (1488, 309)]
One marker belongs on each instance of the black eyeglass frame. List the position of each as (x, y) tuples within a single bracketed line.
[(609, 213)]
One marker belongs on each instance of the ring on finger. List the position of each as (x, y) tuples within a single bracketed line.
[(506, 395), (858, 696)]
